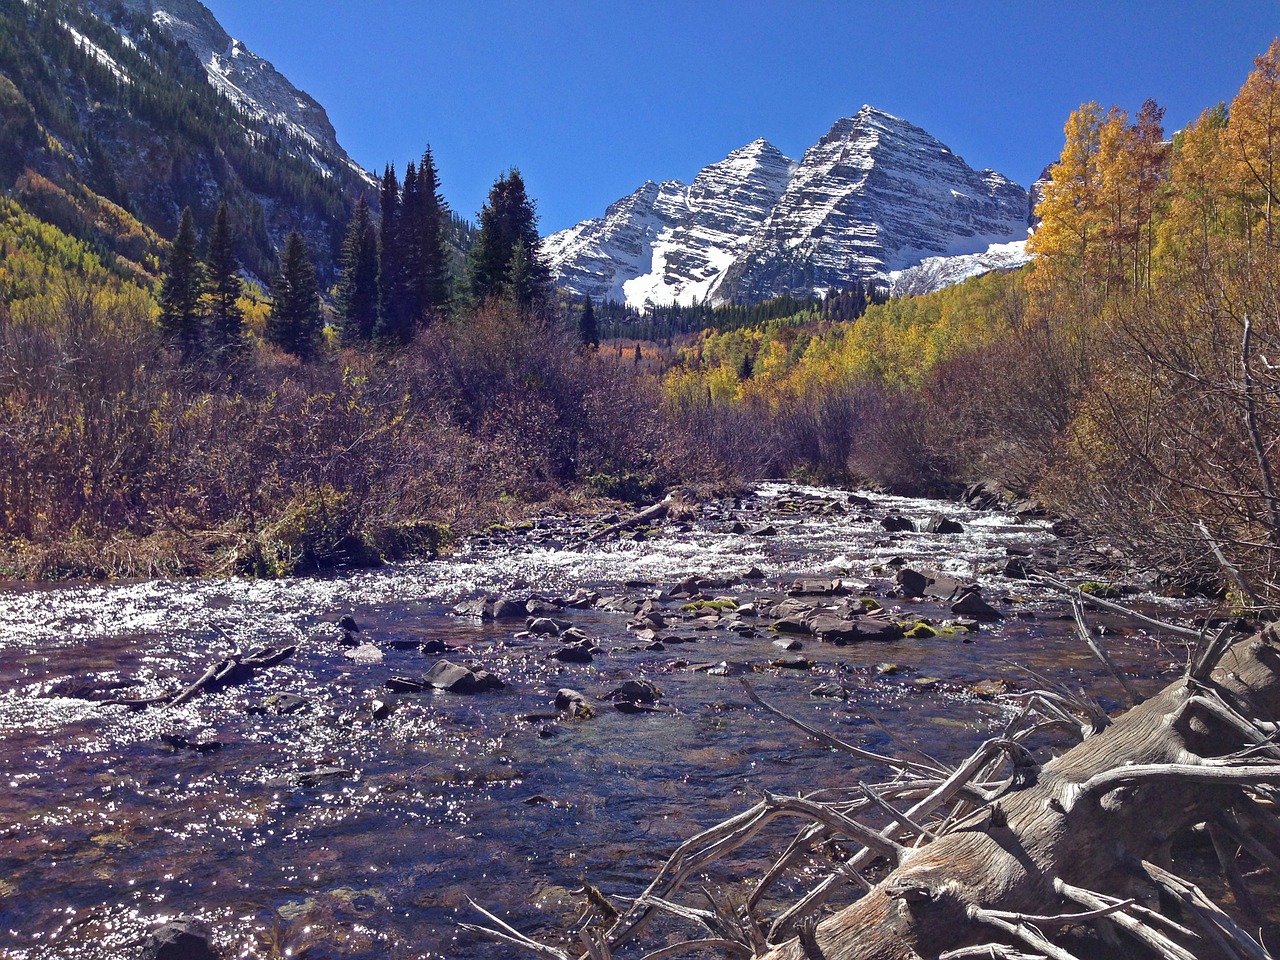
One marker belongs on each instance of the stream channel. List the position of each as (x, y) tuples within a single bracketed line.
[(313, 811)]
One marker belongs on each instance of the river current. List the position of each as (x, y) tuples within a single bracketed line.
[(312, 811)]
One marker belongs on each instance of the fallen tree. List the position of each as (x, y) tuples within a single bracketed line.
[(1003, 858)]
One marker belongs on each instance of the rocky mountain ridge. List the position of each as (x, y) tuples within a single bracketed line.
[(250, 82), (114, 116), (874, 196)]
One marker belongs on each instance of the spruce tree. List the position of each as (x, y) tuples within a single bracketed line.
[(391, 326), (409, 237), (226, 319), (433, 256), (180, 290), (295, 319), (588, 330), (358, 282), (507, 222)]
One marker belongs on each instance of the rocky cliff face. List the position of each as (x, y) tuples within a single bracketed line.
[(874, 196)]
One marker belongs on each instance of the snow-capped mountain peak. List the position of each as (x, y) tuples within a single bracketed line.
[(875, 195)]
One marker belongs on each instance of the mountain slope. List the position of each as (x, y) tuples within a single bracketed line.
[(108, 101), (874, 196)]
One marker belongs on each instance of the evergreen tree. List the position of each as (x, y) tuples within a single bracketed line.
[(588, 331), (409, 237), (295, 319), (433, 249), (505, 260), (358, 283), (226, 319), (393, 326), (180, 290)]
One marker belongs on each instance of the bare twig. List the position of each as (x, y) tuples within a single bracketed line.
[(1099, 651), (820, 735), (1089, 598)]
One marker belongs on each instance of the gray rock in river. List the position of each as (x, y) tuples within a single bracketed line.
[(459, 679), (635, 691), (184, 938)]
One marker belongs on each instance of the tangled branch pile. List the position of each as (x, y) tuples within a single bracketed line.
[(1004, 858)]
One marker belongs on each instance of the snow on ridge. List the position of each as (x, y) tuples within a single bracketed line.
[(935, 273), (252, 83), (95, 51)]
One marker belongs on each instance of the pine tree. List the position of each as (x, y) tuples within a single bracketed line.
[(358, 283), (226, 319), (588, 330), (507, 241), (295, 319), (433, 256), (180, 290)]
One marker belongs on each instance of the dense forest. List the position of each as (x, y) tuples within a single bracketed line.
[(160, 414)]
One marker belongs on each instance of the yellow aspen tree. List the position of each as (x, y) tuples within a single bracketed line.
[(1064, 239), (1115, 199), (1252, 141)]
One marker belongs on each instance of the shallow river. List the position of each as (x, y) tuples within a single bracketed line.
[(328, 830)]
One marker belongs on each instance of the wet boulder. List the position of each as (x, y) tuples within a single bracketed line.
[(505, 609), (944, 525), (455, 678), (896, 523), (873, 628), (544, 627), (930, 584), (1017, 568), (184, 938), (796, 623), (574, 653), (972, 605), (791, 661), (810, 587), (635, 691), (833, 691), (567, 697), (542, 607), (767, 530), (834, 629)]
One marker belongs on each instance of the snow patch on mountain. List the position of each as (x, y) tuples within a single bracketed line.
[(671, 243), (95, 51), (934, 273)]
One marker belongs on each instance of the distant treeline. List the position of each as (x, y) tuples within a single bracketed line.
[(662, 323)]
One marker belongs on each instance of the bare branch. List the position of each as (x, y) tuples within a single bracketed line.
[(1118, 608), (1099, 651), (837, 743)]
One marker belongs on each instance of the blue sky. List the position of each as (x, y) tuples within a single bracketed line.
[(590, 99)]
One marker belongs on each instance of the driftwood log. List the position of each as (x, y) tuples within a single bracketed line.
[(1001, 858)]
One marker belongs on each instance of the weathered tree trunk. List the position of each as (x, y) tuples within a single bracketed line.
[(1089, 822)]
